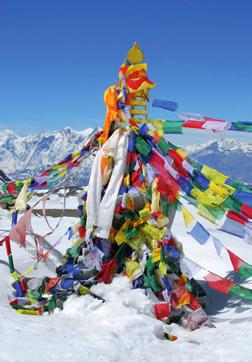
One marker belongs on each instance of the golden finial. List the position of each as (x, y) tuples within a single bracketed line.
[(135, 54)]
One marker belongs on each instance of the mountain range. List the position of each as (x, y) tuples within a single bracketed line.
[(22, 157), (25, 156), (229, 156)]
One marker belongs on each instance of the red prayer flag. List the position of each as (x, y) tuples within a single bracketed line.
[(51, 283), (246, 210), (236, 216), (82, 232), (193, 124), (11, 188), (175, 156), (107, 272), (235, 260), (218, 283), (162, 311)]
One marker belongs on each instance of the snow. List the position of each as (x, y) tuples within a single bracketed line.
[(56, 201), (21, 155), (124, 327), (222, 145), (86, 132)]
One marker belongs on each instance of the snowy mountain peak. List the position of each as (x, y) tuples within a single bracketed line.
[(229, 156), (5, 134), (227, 144), (222, 145), (86, 132), (23, 156)]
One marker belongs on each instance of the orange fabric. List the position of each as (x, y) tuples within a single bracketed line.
[(183, 297), (106, 166), (110, 99), (156, 138)]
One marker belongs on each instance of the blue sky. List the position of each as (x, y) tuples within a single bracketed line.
[(57, 57)]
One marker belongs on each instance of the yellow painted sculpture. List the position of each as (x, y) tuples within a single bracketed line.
[(128, 98)]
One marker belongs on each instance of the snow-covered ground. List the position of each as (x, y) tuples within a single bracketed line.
[(56, 201), (123, 328)]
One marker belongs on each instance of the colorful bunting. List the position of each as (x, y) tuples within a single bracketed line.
[(154, 177)]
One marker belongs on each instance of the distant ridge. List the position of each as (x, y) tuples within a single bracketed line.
[(229, 156), (23, 157)]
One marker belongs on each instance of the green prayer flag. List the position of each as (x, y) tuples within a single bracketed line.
[(142, 147), (245, 270), (172, 127), (231, 204), (240, 291), (164, 146)]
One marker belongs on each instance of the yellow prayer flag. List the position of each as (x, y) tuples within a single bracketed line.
[(132, 269), (162, 268), (120, 236), (15, 275), (135, 243), (182, 153), (155, 197), (153, 232), (196, 193), (127, 180), (28, 311), (211, 198), (218, 190), (144, 213), (84, 290), (188, 217), (75, 154), (156, 255), (61, 173), (212, 174), (202, 211)]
